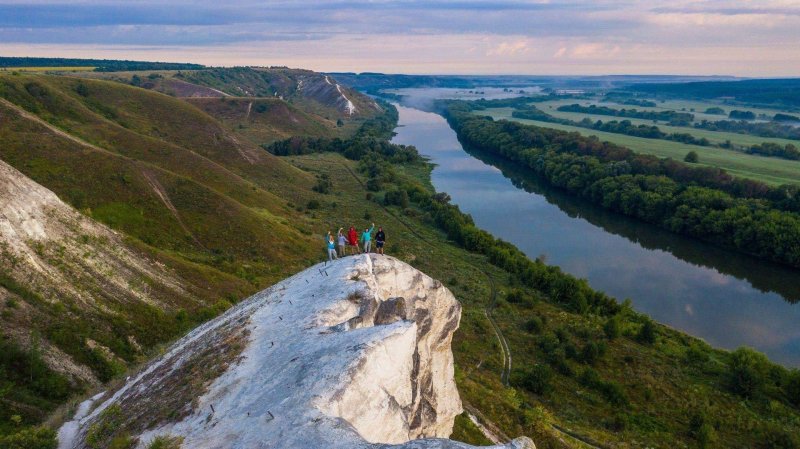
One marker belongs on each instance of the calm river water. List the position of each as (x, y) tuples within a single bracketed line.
[(725, 298)]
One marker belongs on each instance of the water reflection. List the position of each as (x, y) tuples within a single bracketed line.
[(725, 298)]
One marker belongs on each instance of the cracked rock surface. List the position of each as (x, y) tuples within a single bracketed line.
[(350, 354)]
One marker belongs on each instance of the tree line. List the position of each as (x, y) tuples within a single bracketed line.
[(702, 202), (673, 117)]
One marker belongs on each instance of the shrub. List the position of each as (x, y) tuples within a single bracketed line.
[(647, 333), (30, 438), (165, 442), (776, 437), (323, 185), (396, 197), (747, 372), (613, 327), (536, 379), (533, 325), (521, 297), (691, 157), (611, 391), (313, 204), (792, 387), (701, 430), (105, 428), (592, 352)]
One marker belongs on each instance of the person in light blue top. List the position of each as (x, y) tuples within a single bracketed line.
[(366, 238), (342, 242), (331, 247)]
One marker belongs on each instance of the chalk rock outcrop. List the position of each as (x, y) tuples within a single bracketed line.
[(350, 354)]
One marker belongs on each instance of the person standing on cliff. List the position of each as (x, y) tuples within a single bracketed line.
[(380, 240), (352, 238), (366, 238), (331, 247), (342, 242)]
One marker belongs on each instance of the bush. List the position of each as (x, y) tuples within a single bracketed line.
[(533, 325), (647, 334), (775, 437), (747, 372), (691, 157), (313, 204), (536, 379), (611, 391), (323, 185), (592, 352), (701, 430), (613, 327), (792, 387), (30, 438), (165, 442), (103, 432), (520, 297)]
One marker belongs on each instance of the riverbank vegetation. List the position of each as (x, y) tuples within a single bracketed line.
[(701, 202), (586, 367), (583, 363)]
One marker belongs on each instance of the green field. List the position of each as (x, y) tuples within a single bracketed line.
[(46, 69), (772, 171), (551, 107)]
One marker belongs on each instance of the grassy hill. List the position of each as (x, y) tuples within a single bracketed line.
[(182, 186), (184, 193)]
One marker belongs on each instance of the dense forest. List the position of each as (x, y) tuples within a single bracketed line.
[(702, 202), (100, 65), (763, 91), (673, 117)]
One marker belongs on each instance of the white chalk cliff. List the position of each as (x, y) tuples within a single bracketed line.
[(350, 354)]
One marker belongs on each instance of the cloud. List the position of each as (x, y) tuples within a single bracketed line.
[(509, 49), (736, 37)]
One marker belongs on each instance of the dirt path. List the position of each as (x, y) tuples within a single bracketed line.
[(55, 130), (158, 189), (487, 428)]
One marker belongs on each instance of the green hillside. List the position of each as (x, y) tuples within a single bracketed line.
[(187, 187)]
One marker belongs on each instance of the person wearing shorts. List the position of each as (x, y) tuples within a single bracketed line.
[(380, 240)]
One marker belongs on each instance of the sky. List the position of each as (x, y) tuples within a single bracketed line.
[(546, 37)]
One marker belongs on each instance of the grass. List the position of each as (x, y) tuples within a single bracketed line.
[(46, 69), (254, 228), (713, 136), (642, 392), (772, 171)]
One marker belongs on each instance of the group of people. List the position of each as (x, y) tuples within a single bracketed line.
[(351, 240)]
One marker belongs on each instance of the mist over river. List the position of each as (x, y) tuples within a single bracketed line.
[(725, 298)]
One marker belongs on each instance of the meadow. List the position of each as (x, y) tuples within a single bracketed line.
[(773, 171)]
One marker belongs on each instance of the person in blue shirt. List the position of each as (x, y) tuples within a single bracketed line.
[(366, 238), (331, 247)]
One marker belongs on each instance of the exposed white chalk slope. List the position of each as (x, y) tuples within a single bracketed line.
[(353, 354)]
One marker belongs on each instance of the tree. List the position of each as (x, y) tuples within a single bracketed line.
[(691, 157), (747, 372), (647, 334)]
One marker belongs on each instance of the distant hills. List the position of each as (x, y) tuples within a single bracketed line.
[(99, 65), (756, 91)]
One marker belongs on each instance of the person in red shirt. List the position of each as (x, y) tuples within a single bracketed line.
[(352, 240)]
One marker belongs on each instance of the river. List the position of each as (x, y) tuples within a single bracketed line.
[(727, 299)]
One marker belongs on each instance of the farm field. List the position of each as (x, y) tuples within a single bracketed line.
[(772, 171), (551, 107)]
